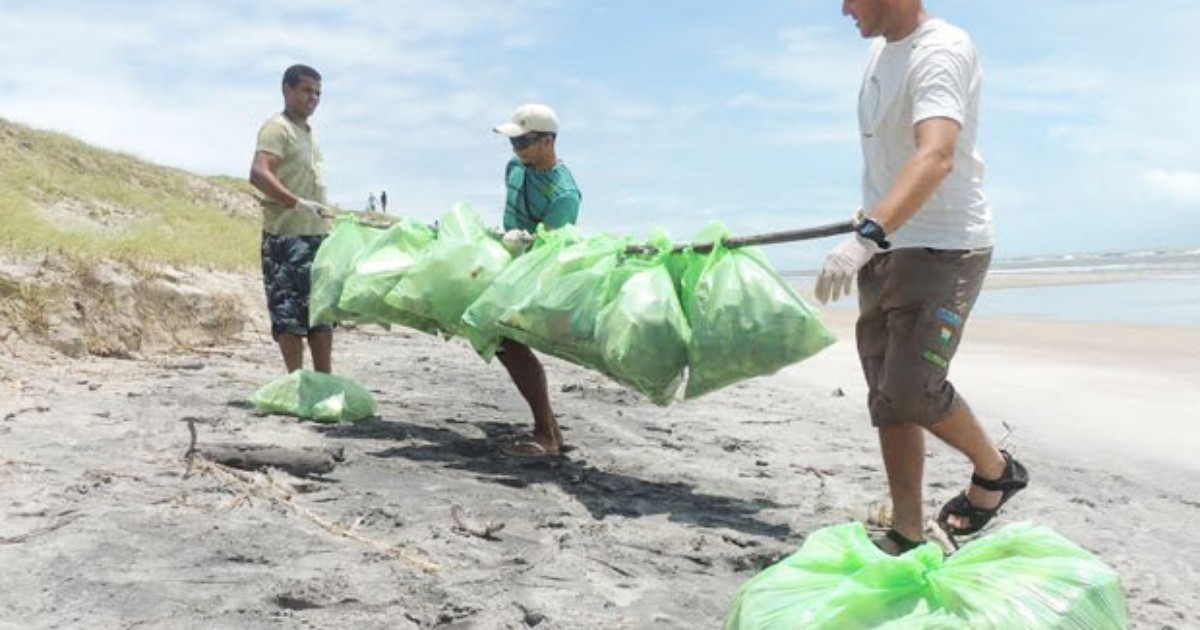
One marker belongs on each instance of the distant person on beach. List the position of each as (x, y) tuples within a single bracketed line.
[(540, 191), (371, 202), (287, 169), (922, 249), (383, 202)]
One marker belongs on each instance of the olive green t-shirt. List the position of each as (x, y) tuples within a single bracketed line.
[(299, 169)]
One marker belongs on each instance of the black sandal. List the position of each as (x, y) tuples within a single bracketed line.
[(1013, 480), (903, 545)]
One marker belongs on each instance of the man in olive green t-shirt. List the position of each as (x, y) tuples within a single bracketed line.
[(287, 169)]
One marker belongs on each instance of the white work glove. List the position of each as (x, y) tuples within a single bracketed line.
[(318, 209), (841, 266), (516, 241)]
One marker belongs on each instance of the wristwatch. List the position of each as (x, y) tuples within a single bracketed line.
[(870, 229)]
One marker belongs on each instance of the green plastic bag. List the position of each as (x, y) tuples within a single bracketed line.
[(1023, 576), (518, 282), (745, 320), (559, 315), (451, 274), (315, 396), (378, 270), (642, 330), (333, 264)]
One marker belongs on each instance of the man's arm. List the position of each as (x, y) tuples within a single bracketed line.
[(562, 211), (922, 174), (263, 177)]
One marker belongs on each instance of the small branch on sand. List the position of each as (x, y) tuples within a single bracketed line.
[(12, 540), (1003, 441), (465, 525), (939, 535), (818, 473)]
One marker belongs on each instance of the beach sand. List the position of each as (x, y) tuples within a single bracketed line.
[(652, 521)]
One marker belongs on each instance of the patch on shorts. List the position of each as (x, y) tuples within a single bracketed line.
[(945, 335), (935, 359), (950, 317)]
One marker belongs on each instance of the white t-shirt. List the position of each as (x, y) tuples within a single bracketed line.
[(934, 72)]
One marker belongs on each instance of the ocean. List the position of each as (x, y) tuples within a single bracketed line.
[(1158, 288), (1151, 288)]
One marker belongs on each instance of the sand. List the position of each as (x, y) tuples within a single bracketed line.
[(652, 521)]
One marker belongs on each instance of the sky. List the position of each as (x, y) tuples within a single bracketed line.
[(673, 112)]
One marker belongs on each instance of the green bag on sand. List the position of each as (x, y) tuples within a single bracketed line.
[(451, 274), (333, 264), (315, 396), (746, 321), (518, 282), (1023, 576), (642, 330), (378, 270), (559, 315)]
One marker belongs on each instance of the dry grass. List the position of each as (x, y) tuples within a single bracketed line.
[(59, 193), (27, 306)]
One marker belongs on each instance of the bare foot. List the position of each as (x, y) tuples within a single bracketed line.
[(530, 445)]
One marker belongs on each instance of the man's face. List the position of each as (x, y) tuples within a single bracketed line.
[(304, 97), (530, 147), (871, 16)]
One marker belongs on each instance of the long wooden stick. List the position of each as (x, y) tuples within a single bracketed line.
[(770, 238), (373, 219)]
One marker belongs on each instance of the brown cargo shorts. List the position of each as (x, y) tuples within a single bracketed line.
[(913, 306)]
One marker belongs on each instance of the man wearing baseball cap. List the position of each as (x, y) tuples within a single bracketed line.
[(540, 191)]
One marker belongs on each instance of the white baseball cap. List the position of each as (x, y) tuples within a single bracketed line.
[(529, 118)]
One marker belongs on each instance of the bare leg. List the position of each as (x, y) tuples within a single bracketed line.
[(292, 348), (903, 446), (963, 431), (527, 373), (320, 344)]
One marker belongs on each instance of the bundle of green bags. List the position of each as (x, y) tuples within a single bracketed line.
[(1022, 576), (650, 321), (315, 396)]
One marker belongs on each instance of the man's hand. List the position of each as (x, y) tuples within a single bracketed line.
[(841, 265), (516, 241), (308, 205)]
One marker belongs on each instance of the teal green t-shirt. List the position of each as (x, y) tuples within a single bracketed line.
[(534, 197)]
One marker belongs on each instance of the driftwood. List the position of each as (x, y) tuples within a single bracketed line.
[(299, 462)]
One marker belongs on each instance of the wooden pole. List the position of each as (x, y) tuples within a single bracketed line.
[(373, 219)]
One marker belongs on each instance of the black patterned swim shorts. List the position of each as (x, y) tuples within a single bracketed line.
[(286, 263)]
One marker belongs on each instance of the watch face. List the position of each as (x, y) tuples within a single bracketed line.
[(871, 230)]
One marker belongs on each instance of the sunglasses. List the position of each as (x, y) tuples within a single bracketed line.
[(526, 141)]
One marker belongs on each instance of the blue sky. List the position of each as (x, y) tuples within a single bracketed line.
[(674, 112)]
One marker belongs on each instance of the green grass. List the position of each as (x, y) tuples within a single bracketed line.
[(165, 215)]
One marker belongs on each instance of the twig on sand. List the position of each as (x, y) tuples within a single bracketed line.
[(264, 486), (1003, 441), (466, 525), (59, 524), (818, 473), (939, 535)]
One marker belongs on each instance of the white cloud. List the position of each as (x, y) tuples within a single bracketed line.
[(1181, 186)]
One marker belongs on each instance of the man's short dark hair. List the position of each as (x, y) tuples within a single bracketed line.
[(291, 76)]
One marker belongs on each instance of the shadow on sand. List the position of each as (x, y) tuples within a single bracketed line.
[(603, 493)]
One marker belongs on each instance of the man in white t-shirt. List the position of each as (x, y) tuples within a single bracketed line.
[(920, 254)]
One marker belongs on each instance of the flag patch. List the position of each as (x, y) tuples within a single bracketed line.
[(935, 359), (950, 317)]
